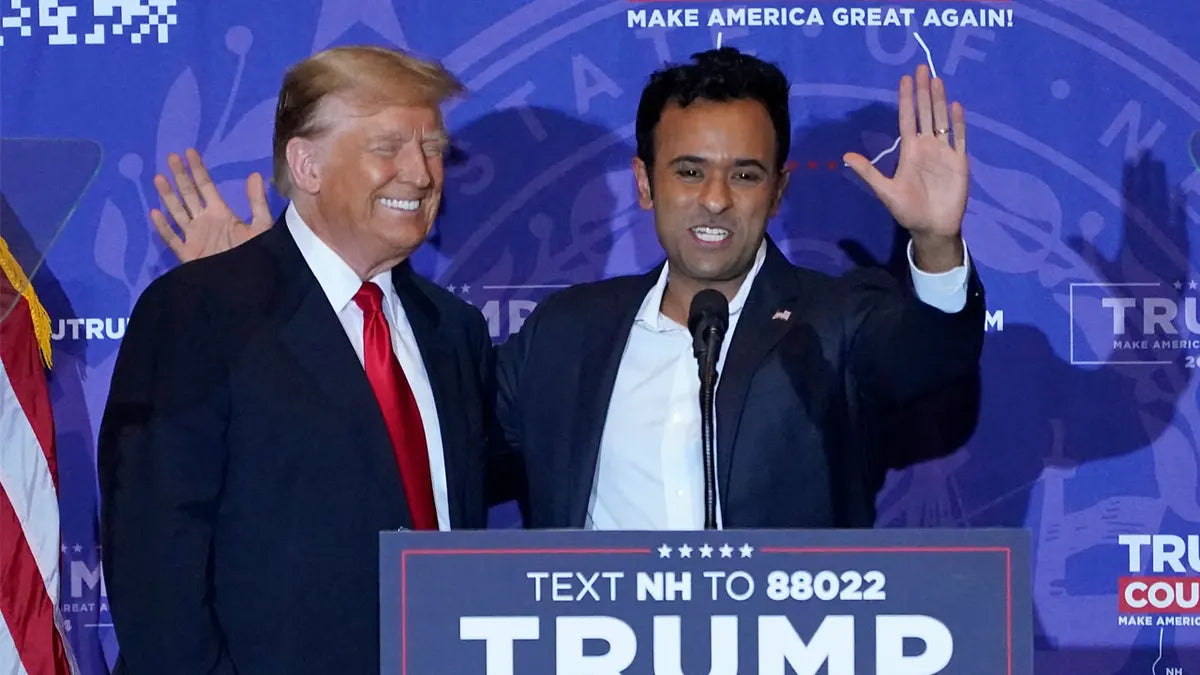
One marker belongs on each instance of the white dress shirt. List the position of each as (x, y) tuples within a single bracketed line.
[(650, 472), (340, 283)]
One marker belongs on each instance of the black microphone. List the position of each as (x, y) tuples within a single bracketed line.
[(708, 319)]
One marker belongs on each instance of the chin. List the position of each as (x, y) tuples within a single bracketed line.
[(405, 247), (727, 271)]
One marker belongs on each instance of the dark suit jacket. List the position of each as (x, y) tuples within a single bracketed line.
[(797, 406), (246, 470)]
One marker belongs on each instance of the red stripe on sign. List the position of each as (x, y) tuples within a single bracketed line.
[(23, 601), (23, 363)]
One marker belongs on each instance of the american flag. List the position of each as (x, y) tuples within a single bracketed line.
[(31, 637)]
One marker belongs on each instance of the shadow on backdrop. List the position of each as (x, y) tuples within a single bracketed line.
[(1030, 417), (534, 200)]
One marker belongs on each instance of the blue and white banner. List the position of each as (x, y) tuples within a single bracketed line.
[(1084, 140), (917, 602)]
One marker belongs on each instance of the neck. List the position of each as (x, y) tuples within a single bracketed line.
[(352, 252), (677, 299)]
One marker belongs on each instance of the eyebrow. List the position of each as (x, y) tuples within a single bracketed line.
[(738, 163), (433, 136)]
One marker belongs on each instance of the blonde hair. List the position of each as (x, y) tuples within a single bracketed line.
[(366, 75)]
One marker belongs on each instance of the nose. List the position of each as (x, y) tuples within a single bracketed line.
[(412, 166), (715, 196)]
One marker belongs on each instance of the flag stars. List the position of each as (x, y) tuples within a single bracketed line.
[(685, 551), (706, 551), (664, 551), (726, 551)]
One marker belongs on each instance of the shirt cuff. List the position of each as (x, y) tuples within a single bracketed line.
[(946, 290)]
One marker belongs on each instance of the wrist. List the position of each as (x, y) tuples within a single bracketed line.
[(936, 253)]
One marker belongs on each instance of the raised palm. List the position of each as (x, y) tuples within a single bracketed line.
[(928, 194), (206, 224)]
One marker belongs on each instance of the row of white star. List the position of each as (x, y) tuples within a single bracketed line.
[(77, 548), (1191, 285), (465, 288), (706, 551)]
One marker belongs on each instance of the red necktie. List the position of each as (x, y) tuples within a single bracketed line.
[(399, 408)]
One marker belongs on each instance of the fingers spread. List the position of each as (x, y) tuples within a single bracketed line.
[(204, 182), (171, 201), (941, 116), (169, 236), (879, 183), (184, 184), (908, 117), (959, 124), (256, 193), (924, 101)]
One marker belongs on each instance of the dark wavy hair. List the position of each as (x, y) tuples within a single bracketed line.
[(716, 75)]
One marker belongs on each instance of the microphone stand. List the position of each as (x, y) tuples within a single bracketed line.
[(708, 376)]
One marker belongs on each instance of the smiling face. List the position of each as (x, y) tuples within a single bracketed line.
[(371, 181), (712, 188)]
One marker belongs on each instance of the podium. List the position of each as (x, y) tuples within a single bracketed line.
[(773, 602)]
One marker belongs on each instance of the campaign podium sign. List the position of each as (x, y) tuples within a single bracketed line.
[(777, 602)]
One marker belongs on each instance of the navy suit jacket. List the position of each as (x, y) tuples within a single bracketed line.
[(815, 364), (246, 471)]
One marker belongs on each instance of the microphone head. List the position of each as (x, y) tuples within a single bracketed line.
[(709, 311)]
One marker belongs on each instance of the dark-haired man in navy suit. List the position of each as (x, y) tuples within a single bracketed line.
[(599, 390)]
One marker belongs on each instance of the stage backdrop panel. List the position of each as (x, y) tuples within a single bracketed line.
[(1084, 126)]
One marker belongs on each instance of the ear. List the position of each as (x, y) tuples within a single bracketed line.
[(645, 193), (780, 190), (303, 158)]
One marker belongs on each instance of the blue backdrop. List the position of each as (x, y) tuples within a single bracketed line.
[(1083, 123)]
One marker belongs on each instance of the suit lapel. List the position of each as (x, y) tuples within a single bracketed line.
[(316, 340), (765, 319), (443, 370), (605, 335)]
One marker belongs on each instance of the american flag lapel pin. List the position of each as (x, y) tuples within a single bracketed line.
[(782, 315)]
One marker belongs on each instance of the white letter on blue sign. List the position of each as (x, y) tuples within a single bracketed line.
[(572, 631), (668, 641), (890, 632), (498, 634), (664, 586), (778, 643)]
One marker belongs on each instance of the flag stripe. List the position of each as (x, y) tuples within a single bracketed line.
[(27, 609), (29, 515), (28, 489), (9, 663), (19, 354)]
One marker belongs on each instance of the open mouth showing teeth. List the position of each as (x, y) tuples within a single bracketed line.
[(710, 235), (400, 204)]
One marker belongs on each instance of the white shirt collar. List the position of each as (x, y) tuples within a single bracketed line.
[(339, 281), (650, 314)]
